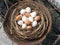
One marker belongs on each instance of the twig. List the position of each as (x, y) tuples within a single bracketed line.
[(5, 1)]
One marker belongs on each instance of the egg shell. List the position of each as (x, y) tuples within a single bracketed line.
[(37, 18), (22, 11), (29, 27), (33, 14), (24, 26), (34, 23), (27, 22), (28, 9), (24, 18), (27, 14), (19, 17), (20, 22), (30, 19)]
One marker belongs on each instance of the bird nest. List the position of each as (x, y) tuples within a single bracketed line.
[(15, 31)]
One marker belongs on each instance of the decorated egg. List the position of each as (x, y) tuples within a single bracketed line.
[(24, 18), (30, 19), (19, 17), (24, 26), (27, 14), (34, 23), (37, 18), (20, 22), (33, 14), (22, 11), (28, 9), (27, 22), (29, 27)]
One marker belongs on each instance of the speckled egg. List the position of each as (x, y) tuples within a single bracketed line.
[(27, 22), (27, 14), (19, 17), (34, 23), (22, 11), (30, 19), (29, 27), (28, 9), (33, 14), (37, 18), (20, 22), (24, 18), (24, 26)]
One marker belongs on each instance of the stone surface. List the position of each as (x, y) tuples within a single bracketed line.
[(4, 40)]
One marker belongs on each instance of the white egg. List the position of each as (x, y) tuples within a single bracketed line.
[(24, 26), (28, 9), (34, 23), (30, 19), (33, 14), (20, 22), (24, 18), (22, 11)]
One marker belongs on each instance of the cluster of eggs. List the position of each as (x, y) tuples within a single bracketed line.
[(27, 19)]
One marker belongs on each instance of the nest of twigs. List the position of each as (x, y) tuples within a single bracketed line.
[(15, 31)]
